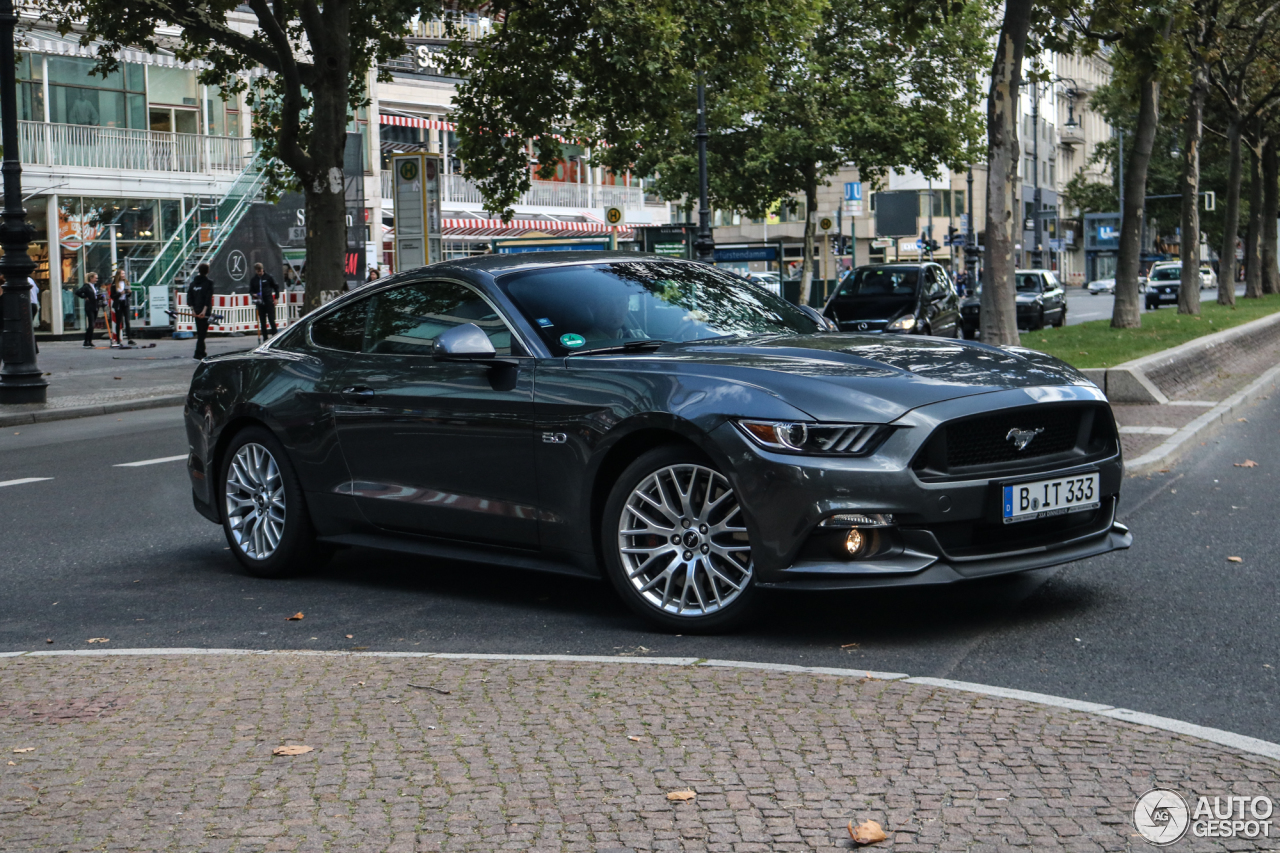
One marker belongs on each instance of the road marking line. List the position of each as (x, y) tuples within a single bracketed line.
[(149, 462), (1239, 742), (1147, 430), (23, 480)]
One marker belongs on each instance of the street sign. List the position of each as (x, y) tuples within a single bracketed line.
[(964, 222), (416, 199), (825, 223), (881, 244), (920, 244), (853, 191), (615, 215)]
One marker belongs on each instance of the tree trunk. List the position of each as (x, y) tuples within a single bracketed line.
[(1231, 223), (999, 318), (1252, 263), (1270, 212), (1189, 292), (806, 266), (1125, 314)]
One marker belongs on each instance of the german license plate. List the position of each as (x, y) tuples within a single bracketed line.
[(1168, 297), (1045, 498)]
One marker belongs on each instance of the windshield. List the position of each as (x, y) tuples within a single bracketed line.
[(1028, 282), (579, 308), (878, 282), (1166, 274)]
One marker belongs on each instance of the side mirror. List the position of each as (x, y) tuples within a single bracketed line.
[(467, 342), (816, 316)]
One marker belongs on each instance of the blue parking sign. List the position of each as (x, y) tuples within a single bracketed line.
[(853, 191)]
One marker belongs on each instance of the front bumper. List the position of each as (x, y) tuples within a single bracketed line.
[(946, 530)]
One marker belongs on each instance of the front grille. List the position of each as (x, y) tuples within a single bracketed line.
[(985, 444)]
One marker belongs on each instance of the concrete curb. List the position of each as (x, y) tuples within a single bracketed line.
[(1238, 742), (1177, 444), (40, 416), (1138, 381)]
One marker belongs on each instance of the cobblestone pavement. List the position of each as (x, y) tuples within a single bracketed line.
[(410, 754)]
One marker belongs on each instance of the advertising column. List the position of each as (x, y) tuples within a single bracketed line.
[(416, 192)]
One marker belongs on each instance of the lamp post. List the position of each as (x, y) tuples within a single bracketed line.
[(20, 379), (704, 246)]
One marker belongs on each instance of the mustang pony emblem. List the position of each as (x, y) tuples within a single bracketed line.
[(1022, 437)]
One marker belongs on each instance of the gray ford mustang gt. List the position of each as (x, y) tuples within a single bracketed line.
[(683, 432)]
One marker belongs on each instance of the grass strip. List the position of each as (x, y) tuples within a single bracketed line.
[(1096, 344)]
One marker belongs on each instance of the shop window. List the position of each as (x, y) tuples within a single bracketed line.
[(174, 86)]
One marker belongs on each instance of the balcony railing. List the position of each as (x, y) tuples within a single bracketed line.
[(87, 147), (460, 189)]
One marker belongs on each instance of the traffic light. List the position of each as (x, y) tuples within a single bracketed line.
[(952, 233)]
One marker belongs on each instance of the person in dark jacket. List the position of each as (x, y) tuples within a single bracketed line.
[(200, 302), (93, 297), (264, 290)]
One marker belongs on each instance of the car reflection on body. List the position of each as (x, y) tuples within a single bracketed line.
[(1102, 285), (903, 298), (692, 438)]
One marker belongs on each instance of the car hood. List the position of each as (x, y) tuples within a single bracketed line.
[(1027, 297), (871, 308), (870, 378)]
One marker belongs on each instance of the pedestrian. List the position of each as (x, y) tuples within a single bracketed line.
[(93, 298), (264, 290), (199, 303), (119, 294), (373, 273), (35, 308)]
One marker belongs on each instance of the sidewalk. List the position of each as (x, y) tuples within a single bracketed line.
[(174, 752), (96, 381)]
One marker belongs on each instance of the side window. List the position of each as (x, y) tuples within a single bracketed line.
[(343, 329), (407, 320), (933, 287)]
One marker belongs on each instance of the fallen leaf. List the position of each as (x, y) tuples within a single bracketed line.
[(439, 690), (1235, 559), (292, 749), (867, 832), (681, 796), (849, 646), (294, 618), (13, 763), (359, 684), (49, 640), (99, 640), (25, 749), (350, 637), (1248, 463), (634, 738), (117, 377), (1242, 420)]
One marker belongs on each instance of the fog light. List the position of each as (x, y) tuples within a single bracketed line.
[(854, 541)]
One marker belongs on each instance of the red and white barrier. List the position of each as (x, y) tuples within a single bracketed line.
[(239, 314)]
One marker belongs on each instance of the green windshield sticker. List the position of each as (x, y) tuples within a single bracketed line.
[(572, 341)]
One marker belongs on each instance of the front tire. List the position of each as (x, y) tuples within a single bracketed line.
[(675, 541), (264, 515)]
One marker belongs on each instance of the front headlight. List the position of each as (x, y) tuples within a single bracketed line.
[(816, 439), (902, 324)]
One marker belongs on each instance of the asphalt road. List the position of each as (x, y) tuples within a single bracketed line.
[(1170, 627), (1082, 306)]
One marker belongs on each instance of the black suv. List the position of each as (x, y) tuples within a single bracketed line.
[(900, 298), (1039, 297)]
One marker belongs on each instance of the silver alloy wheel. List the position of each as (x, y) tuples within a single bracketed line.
[(255, 501), (683, 541)]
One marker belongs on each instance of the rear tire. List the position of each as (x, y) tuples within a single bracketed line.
[(676, 546), (264, 514)]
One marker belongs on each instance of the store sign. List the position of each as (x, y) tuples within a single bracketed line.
[(674, 249), (753, 253)]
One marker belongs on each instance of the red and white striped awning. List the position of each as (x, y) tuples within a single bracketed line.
[(413, 121), (517, 227)]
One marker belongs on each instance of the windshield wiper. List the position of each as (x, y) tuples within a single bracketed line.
[(629, 346)]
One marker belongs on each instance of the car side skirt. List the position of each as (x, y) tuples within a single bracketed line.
[(581, 566)]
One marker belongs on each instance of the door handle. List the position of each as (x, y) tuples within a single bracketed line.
[(358, 391)]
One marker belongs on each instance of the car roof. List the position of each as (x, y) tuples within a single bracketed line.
[(499, 263)]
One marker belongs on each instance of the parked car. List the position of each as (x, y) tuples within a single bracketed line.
[(1102, 285), (1163, 283), (914, 299), (658, 422), (1039, 298), (770, 281)]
